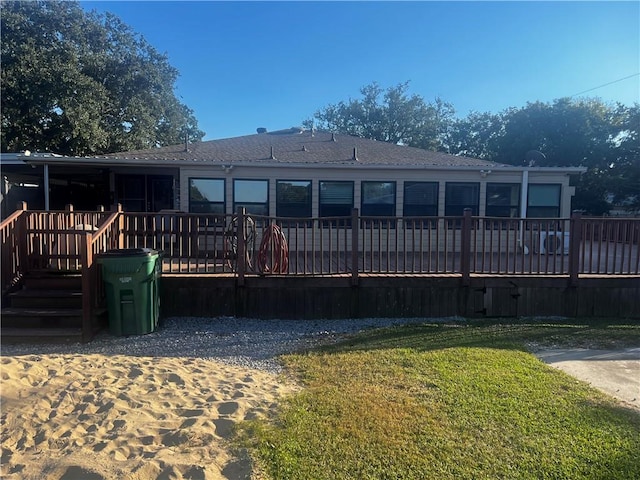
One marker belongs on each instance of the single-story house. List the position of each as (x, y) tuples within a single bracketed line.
[(287, 173)]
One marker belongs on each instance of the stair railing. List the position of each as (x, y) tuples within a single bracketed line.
[(11, 247), (110, 235)]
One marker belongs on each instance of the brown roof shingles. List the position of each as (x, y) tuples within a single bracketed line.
[(297, 146)]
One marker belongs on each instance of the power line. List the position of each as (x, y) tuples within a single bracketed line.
[(604, 85)]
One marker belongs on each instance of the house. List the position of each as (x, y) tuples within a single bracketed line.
[(357, 242), (288, 173)]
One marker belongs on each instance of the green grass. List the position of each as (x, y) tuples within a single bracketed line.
[(458, 401)]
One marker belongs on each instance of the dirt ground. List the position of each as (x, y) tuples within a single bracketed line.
[(616, 372)]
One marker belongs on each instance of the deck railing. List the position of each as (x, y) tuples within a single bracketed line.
[(352, 246), (360, 245), (107, 237)]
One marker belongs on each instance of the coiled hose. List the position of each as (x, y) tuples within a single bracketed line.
[(273, 254)]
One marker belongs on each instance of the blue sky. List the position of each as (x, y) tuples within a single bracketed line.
[(245, 65)]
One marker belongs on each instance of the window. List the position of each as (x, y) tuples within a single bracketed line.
[(253, 195), (379, 199), (543, 201), (420, 199), (461, 195), (206, 195), (293, 198), (132, 194), (503, 200), (336, 199)]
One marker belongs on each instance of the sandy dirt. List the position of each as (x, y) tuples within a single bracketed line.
[(95, 417)]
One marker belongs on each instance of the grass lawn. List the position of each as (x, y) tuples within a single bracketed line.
[(456, 401)]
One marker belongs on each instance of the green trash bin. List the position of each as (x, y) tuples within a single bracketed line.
[(131, 282)]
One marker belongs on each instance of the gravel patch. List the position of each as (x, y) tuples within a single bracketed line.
[(236, 341)]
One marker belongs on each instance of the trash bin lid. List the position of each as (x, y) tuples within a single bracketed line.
[(129, 252)]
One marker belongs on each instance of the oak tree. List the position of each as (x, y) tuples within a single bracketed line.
[(82, 83)]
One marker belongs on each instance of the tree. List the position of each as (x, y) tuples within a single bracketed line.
[(79, 83), (568, 132), (583, 132), (390, 115), (625, 169), (476, 135)]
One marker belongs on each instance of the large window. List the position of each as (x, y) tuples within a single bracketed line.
[(293, 198), (379, 199), (461, 195), (420, 199), (336, 199), (543, 201), (253, 195), (206, 195), (503, 200)]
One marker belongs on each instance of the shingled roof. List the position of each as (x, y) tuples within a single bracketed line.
[(298, 146)]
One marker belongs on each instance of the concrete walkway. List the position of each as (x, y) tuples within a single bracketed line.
[(616, 372)]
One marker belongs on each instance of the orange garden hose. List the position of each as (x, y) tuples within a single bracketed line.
[(273, 255)]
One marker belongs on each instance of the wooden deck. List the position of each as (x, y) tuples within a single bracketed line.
[(330, 268)]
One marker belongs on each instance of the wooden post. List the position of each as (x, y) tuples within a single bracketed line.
[(355, 230), (465, 247), (21, 239), (241, 253), (121, 226), (575, 235), (86, 258)]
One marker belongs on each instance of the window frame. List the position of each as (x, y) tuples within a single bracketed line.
[(373, 209), (556, 213), (248, 206), (306, 206), (423, 206), (132, 197), (460, 206), (322, 208), (514, 209), (223, 203)]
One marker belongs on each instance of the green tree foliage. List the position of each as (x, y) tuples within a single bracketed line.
[(583, 132), (476, 135), (79, 83), (390, 115)]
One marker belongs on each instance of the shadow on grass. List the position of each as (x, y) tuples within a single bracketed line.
[(508, 334)]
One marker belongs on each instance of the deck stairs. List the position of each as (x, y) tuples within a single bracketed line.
[(47, 309)]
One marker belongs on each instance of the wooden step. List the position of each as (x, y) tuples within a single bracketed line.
[(41, 335), (52, 280), (46, 298), (27, 318)]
